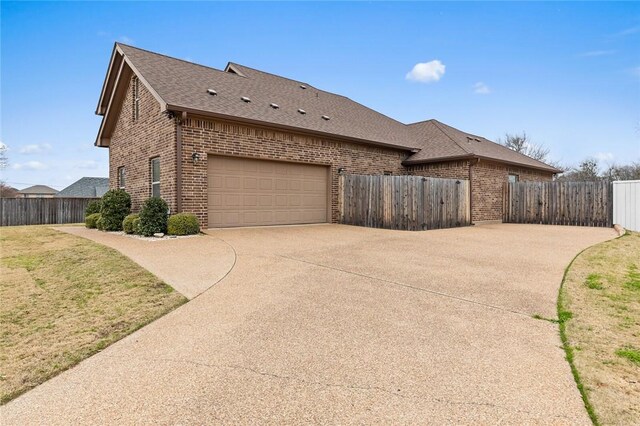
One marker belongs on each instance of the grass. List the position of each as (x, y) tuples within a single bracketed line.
[(65, 298), (599, 319)]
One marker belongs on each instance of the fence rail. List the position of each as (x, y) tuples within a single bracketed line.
[(42, 211), (559, 203), (404, 202)]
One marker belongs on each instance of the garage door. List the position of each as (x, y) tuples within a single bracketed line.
[(247, 192)]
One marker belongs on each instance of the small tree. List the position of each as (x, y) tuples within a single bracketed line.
[(116, 205)]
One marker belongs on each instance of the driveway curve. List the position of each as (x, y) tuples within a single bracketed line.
[(338, 324)]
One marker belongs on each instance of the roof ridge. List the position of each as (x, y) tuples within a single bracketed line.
[(174, 58), (437, 124)]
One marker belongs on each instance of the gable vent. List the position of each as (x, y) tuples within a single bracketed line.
[(212, 92), (326, 117), (301, 111), (274, 106), (302, 86), (245, 99)]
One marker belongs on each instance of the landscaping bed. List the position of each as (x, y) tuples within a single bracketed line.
[(599, 310), (65, 298)]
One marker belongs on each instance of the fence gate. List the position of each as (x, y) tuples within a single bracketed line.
[(559, 203), (404, 202)]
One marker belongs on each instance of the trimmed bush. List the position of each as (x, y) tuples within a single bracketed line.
[(183, 224), (116, 205), (100, 223), (91, 221), (136, 225), (93, 207), (153, 216), (129, 222)]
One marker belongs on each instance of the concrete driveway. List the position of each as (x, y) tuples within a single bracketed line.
[(337, 324)]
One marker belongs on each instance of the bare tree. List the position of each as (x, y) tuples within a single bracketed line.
[(521, 143), (626, 172), (587, 171)]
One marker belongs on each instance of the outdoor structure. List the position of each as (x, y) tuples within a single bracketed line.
[(626, 204), (86, 187), (37, 191), (241, 147)]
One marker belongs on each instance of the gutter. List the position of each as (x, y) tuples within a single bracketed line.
[(271, 125)]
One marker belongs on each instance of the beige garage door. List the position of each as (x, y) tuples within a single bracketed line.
[(246, 192)]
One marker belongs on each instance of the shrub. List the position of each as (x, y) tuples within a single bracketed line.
[(136, 225), (129, 222), (93, 207), (153, 216), (116, 205), (183, 224), (100, 223), (91, 221)]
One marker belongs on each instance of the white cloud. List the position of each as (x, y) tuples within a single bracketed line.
[(87, 164), (30, 165), (604, 156), (426, 72), (126, 40), (481, 89), (35, 149), (594, 53)]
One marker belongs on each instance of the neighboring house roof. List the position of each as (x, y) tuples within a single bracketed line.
[(185, 86), (38, 189), (86, 187), (440, 141)]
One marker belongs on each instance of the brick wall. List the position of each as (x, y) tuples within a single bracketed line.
[(445, 170), (206, 136), (134, 143), (487, 180), (153, 134)]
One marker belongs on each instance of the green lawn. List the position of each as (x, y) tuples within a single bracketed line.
[(599, 307), (65, 298)]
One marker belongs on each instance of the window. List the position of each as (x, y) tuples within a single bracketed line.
[(121, 177), (387, 173), (513, 178), (136, 99), (155, 177)]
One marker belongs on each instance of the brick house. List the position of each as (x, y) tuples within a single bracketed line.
[(242, 147)]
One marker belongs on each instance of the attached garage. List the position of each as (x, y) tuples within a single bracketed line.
[(249, 192)]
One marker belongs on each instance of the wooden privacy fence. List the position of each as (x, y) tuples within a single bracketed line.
[(42, 211), (410, 203), (559, 203)]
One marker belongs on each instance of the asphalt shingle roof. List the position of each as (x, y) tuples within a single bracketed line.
[(182, 84), (38, 189), (86, 187), (439, 141), (185, 84)]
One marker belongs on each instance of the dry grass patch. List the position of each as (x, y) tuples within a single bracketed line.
[(65, 298), (601, 295)]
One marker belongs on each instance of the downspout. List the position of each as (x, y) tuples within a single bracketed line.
[(179, 122)]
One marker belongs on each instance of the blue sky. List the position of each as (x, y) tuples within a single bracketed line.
[(566, 73)]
